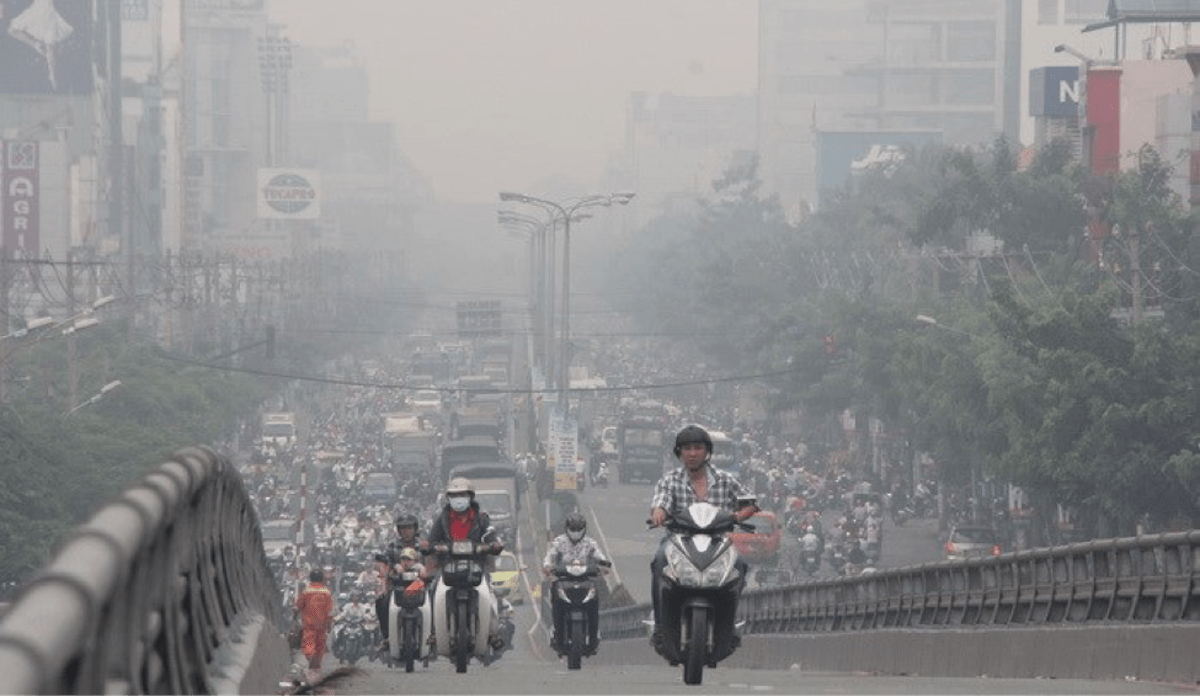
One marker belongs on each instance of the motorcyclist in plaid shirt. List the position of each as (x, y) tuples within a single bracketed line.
[(693, 482)]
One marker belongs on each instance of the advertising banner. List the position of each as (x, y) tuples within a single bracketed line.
[(289, 194), (19, 196), (562, 451), (841, 154), (46, 47)]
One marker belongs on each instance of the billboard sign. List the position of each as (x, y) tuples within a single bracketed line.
[(46, 47), (289, 194), (843, 153), (1054, 91), (19, 196), (563, 451)]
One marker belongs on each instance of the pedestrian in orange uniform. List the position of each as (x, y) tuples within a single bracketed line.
[(315, 605)]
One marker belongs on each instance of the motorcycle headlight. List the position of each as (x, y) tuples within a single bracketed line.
[(462, 547), (720, 572), (577, 569), (683, 572), (562, 594)]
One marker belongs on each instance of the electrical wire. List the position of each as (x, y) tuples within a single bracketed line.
[(481, 390)]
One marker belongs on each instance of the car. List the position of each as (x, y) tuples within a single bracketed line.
[(506, 578), (971, 542), (762, 545)]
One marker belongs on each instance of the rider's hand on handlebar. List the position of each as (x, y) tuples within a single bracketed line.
[(658, 516)]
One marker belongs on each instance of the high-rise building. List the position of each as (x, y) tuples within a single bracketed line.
[(677, 145), (931, 67)]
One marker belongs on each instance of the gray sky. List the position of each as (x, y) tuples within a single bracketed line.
[(497, 94)]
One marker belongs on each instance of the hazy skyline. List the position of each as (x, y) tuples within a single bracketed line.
[(498, 94)]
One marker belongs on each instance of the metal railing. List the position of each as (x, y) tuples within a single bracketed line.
[(1136, 580), (155, 594)]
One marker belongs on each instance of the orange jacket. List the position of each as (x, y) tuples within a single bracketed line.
[(316, 606)]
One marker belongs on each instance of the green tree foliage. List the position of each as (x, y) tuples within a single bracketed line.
[(1026, 377), (57, 469)]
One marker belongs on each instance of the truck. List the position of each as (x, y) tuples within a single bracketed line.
[(278, 431), (380, 488), (640, 448), (409, 441)]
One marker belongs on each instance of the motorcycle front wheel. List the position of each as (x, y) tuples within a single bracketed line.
[(410, 644), (466, 641), (697, 646), (575, 656)]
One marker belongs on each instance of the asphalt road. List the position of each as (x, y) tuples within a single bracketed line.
[(623, 669)]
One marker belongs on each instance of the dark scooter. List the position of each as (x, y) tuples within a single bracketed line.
[(574, 590)]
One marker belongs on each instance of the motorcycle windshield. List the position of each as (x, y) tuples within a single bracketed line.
[(703, 517)]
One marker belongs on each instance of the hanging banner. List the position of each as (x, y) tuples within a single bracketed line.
[(19, 197), (562, 451), (289, 194)]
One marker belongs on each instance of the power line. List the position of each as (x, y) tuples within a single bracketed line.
[(479, 390)]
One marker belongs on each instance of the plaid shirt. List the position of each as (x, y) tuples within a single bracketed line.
[(562, 548), (674, 493)]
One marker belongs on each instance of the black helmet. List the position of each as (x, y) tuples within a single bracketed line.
[(693, 434), (576, 522), (408, 520)]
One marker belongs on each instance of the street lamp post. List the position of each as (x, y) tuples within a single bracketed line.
[(108, 387), (43, 325), (567, 213), (537, 304), (1085, 126)]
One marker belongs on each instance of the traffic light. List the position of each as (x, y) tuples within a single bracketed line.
[(270, 341), (830, 346)]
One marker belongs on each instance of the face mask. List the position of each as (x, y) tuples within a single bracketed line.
[(459, 504), (575, 535)]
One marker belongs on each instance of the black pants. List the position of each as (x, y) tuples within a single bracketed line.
[(381, 611)]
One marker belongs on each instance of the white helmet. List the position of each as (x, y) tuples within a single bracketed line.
[(460, 485)]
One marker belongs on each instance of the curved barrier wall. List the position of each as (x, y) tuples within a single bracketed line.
[(1115, 597), (166, 590)]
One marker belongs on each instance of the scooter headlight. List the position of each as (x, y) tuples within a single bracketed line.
[(680, 569)]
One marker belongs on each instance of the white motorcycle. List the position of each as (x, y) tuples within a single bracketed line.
[(701, 584), (410, 621), (465, 611)]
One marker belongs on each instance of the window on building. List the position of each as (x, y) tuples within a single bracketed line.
[(1047, 12), (1084, 11), (969, 87), (910, 90), (970, 41)]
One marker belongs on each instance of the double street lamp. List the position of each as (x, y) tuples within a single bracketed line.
[(566, 211), (108, 387), (40, 328)]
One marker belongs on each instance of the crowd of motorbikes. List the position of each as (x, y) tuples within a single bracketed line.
[(346, 530), (834, 522)]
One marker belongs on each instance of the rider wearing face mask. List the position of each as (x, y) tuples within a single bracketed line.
[(462, 519), (575, 545)]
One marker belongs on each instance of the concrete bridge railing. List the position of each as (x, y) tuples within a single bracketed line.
[(1099, 609), (166, 590)]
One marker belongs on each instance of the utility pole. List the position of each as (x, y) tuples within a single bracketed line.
[(1135, 276), (116, 173)]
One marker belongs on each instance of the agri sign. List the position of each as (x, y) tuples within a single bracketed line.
[(289, 193)]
